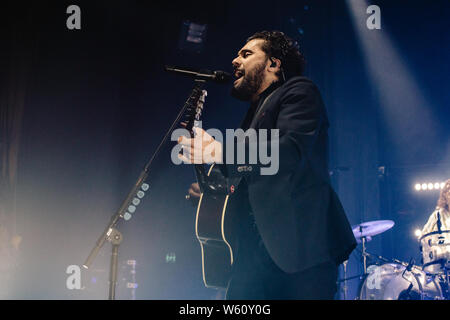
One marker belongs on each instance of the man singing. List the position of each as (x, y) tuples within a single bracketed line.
[(291, 232)]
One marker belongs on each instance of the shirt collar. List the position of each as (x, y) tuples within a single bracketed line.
[(274, 85)]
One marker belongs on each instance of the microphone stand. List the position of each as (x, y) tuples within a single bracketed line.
[(364, 253), (115, 238), (128, 206)]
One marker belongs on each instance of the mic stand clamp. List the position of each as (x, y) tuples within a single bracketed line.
[(115, 237)]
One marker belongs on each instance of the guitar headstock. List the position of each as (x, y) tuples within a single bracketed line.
[(200, 103), (194, 108)]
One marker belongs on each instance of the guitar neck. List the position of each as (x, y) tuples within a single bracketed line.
[(202, 177)]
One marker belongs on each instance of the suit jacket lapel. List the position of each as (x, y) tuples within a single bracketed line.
[(261, 109)]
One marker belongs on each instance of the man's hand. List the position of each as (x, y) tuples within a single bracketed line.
[(194, 194), (200, 149), (194, 190)]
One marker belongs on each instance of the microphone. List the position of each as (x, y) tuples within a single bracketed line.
[(410, 264), (439, 223), (216, 76), (406, 294), (408, 268)]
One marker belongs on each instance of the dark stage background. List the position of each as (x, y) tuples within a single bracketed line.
[(83, 110)]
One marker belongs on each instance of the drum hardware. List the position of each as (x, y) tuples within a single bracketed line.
[(364, 254), (371, 228), (406, 294), (383, 260), (439, 223), (392, 279), (446, 284), (435, 249), (345, 288), (364, 232), (359, 276)]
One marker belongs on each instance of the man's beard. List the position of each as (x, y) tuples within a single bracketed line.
[(250, 84)]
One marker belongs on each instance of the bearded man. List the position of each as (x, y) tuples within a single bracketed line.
[(291, 232)]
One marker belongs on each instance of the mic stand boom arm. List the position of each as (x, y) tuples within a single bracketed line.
[(137, 190)]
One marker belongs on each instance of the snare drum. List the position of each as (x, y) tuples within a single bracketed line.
[(391, 281), (435, 248)]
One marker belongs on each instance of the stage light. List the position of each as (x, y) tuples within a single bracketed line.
[(192, 36), (196, 32), (393, 81), (136, 201), (132, 285), (418, 233), (127, 216), (171, 257), (429, 186), (131, 263)]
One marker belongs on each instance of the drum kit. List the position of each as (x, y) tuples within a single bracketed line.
[(391, 279)]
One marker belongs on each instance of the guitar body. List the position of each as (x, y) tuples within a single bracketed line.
[(214, 218), (212, 226)]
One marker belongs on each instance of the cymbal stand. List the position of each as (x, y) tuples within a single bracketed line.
[(364, 254), (345, 287)]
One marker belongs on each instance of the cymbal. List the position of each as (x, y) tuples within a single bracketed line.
[(371, 228)]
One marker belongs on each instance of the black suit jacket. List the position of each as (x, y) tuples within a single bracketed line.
[(298, 215)]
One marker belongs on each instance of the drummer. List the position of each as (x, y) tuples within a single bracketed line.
[(441, 214)]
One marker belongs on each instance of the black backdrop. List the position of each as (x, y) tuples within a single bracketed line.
[(96, 103)]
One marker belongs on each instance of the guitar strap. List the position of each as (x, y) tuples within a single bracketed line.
[(261, 108), (233, 183)]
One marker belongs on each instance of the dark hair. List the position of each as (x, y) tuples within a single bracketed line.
[(281, 47)]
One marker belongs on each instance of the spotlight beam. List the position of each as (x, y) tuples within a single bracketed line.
[(404, 106)]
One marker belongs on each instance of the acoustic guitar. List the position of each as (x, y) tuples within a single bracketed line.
[(213, 219)]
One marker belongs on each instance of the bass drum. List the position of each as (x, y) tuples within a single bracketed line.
[(391, 281)]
